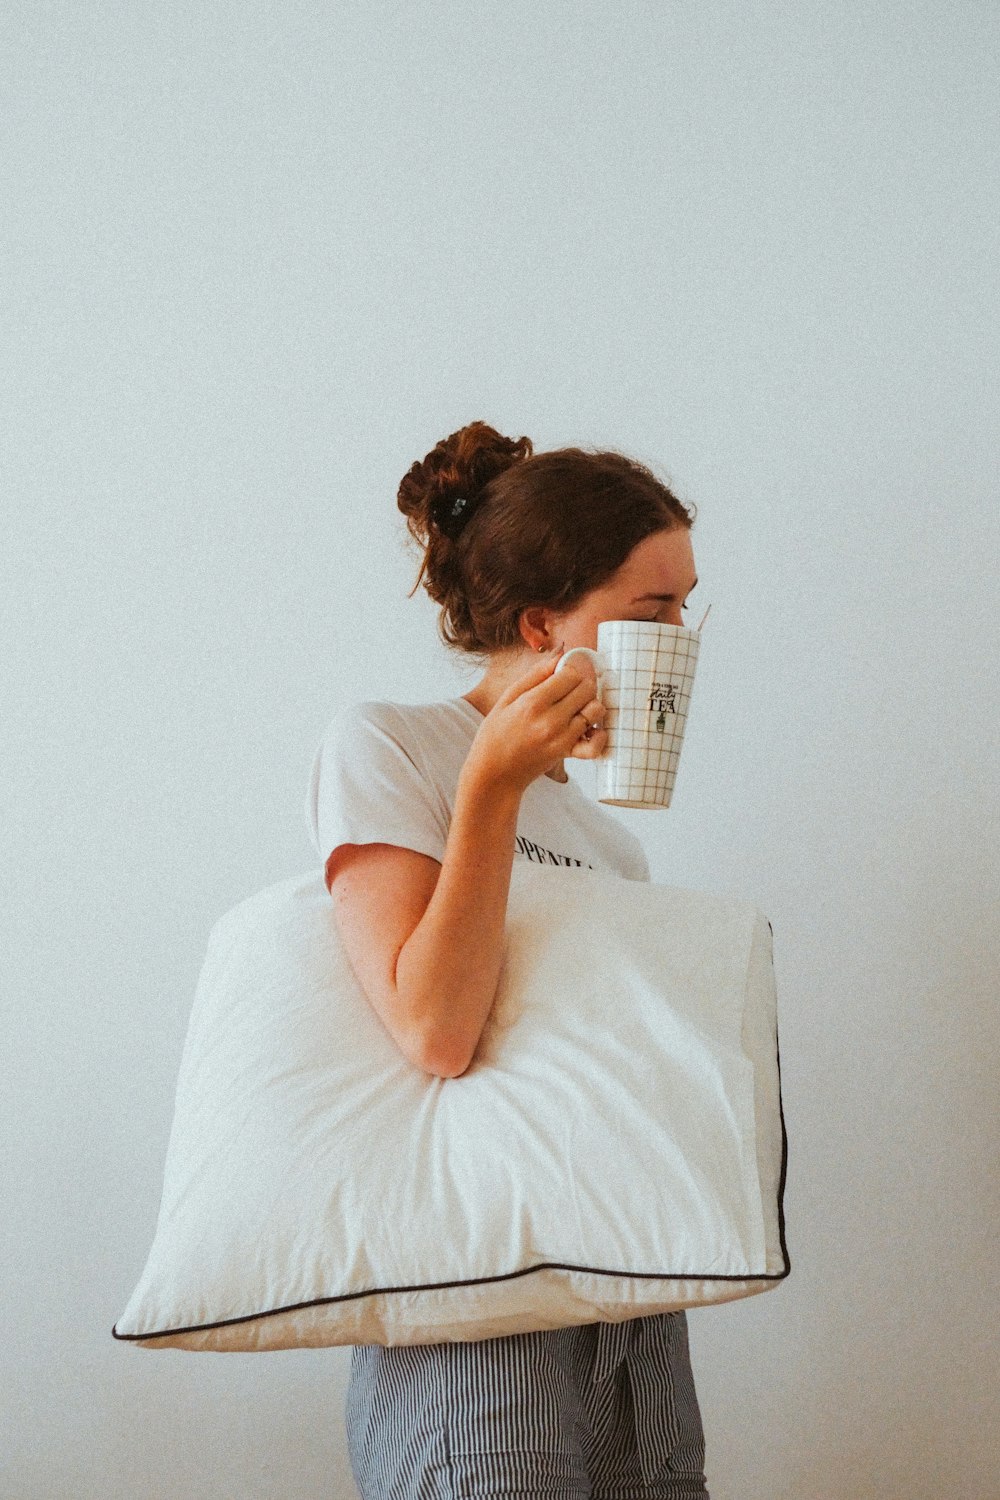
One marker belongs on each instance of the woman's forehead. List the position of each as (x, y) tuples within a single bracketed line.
[(662, 563)]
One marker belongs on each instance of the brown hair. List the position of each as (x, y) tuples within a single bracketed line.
[(542, 528)]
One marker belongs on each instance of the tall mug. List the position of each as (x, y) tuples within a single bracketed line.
[(645, 673)]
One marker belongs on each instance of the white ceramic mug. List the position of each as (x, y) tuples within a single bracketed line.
[(645, 672)]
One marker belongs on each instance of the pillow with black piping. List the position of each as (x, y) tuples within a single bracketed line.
[(616, 1148)]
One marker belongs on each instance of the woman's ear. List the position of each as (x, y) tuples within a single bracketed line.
[(538, 625)]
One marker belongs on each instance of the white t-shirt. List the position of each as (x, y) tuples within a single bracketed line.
[(388, 773)]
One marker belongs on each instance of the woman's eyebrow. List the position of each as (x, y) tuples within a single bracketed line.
[(665, 598)]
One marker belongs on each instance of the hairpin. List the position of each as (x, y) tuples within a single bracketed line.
[(452, 514)]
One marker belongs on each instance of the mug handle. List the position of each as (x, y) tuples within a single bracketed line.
[(595, 656)]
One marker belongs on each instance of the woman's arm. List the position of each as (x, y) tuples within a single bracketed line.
[(426, 939)]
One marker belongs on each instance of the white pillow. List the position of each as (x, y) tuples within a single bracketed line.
[(616, 1149)]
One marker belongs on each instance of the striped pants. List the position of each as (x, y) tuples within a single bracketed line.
[(601, 1411)]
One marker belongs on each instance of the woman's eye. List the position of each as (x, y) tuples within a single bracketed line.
[(652, 619)]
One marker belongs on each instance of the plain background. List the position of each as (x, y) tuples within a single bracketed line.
[(259, 259)]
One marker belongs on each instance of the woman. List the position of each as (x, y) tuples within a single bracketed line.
[(419, 811)]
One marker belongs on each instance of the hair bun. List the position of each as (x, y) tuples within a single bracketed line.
[(446, 487)]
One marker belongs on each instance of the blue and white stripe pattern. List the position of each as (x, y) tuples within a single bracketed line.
[(601, 1411)]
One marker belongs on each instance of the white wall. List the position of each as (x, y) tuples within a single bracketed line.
[(261, 257)]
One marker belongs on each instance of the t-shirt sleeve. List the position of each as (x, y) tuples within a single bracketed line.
[(367, 785)]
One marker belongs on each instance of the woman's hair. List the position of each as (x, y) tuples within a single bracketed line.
[(540, 528)]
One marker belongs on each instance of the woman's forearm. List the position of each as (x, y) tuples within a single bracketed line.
[(448, 970)]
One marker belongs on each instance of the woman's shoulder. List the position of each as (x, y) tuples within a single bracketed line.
[(395, 717), (378, 777), (434, 736)]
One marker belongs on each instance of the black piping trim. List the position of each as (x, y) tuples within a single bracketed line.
[(784, 1166), (433, 1286)]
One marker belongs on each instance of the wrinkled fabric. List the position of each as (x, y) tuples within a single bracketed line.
[(600, 1411)]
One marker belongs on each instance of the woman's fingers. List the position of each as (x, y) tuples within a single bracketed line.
[(580, 693), (537, 673), (593, 737), (565, 715), (590, 746)]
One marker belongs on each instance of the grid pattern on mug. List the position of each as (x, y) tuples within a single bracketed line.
[(645, 757)]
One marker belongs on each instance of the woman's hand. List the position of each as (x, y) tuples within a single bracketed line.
[(541, 718)]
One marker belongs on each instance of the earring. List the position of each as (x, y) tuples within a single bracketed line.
[(541, 647)]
